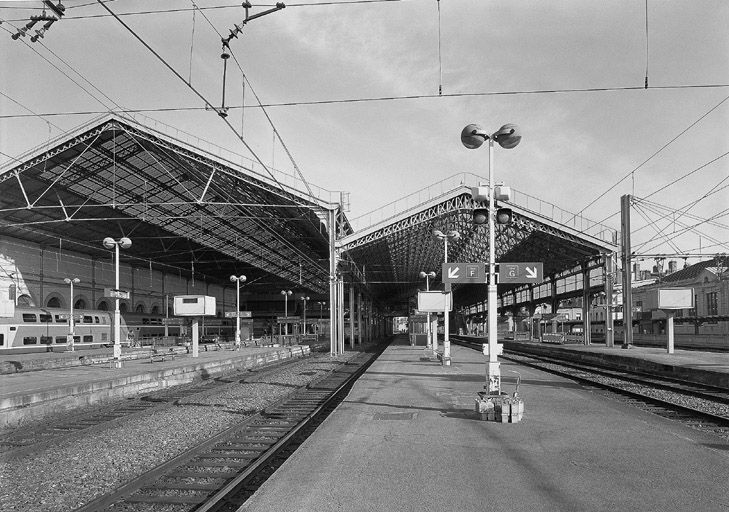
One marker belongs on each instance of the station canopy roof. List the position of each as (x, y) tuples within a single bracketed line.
[(188, 207), (192, 208), (394, 244)]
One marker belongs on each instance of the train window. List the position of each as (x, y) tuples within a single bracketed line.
[(46, 340), (96, 320), (60, 320), (88, 320), (88, 339), (29, 317), (104, 336), (46, 318), (30, 340), (60, 339), (2, 340)]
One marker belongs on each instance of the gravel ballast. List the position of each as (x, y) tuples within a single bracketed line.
[(80, 468)]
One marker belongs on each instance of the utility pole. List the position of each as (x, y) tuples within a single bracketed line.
[(627, 261)]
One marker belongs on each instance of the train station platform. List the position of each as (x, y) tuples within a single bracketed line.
[(53, 382), (407, 438), (711, 368)]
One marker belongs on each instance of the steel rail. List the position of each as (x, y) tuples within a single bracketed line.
[(720, 421)]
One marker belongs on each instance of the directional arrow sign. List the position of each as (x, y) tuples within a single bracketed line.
[(521, 272), (464, 273)]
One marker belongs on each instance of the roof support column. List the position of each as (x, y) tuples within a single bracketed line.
[(359, 317), (553, 286), (351, 314), (332, 284), (609, 321), (340, 315), (586, 303)]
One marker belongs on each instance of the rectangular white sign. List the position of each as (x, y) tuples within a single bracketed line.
[(676, 298), (434, 302), (194, 305)]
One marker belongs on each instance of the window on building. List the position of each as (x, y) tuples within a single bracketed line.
[(692, 311), (54, 302), (712, 304)]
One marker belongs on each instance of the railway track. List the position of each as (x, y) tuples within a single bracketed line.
[(23, 441), (222, 472), (702, 407)]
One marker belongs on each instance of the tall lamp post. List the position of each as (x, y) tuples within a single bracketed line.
[(110, 243), (321, 313), (238, 280), (450, 235), (508, 137), (428, 343), (286, 294), (304, 299), (71, 324)]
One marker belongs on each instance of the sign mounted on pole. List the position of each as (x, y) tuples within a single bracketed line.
[(464, 273), (521, 272), (242, 314), (434, 301)]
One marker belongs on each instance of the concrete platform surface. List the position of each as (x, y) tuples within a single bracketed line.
[(32, 395), (407, 439)]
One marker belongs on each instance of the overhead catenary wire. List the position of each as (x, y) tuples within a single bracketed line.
[(646, 44), (202, 97), (440, 59), (684, 210), (656, 153), (261, 105)]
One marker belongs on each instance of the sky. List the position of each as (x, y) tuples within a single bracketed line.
[(569, 73)]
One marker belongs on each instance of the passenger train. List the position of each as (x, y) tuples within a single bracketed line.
[(33, 329)]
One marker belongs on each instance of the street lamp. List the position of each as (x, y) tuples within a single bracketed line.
[(321, 313), (304, 299), (286, 294), (450, 235), (428, 276), (508, 137), (237, 280), (72, 282), (110, 243)]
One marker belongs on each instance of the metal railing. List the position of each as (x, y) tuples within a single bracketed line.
[(446, 186)]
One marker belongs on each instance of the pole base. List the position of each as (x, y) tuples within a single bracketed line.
[(499, 408)]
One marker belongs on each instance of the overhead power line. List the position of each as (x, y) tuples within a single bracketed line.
[(632, 171), (398, 98)]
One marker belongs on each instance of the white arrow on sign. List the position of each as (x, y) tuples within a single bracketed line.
[(531, 272), (453, 272)]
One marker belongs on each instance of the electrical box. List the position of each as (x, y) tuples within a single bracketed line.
[(194, 305), (502, 193)]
